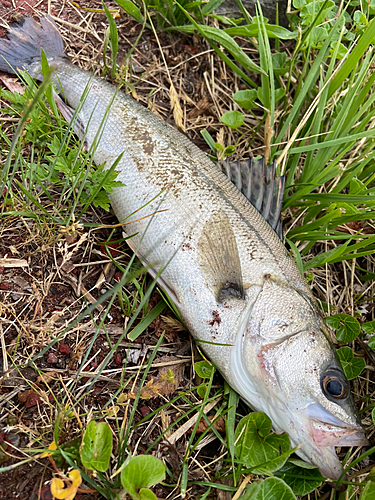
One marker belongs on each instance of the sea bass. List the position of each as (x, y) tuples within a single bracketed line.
[(226, 270)]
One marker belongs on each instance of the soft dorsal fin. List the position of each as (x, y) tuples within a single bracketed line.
[(219, 259), (261, 187)]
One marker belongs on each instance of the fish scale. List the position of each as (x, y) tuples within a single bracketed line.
[(227, 272)]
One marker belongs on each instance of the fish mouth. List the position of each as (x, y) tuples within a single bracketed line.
[(324, 433), (327, 435)]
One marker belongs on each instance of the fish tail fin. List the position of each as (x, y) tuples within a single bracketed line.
[(25, 41)]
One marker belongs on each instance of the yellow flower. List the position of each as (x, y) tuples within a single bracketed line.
[(52, 447), (58, 489)]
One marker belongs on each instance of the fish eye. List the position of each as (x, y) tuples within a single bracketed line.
[(335, 385)]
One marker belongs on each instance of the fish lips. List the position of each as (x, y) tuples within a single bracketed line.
[(324, 432), (328, 430), (321, 449), (327, 435)]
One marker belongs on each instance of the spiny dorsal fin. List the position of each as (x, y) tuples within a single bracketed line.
[(261, 187), (219, 259)]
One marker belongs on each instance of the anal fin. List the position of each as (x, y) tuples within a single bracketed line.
[(69, 115), (258, 182)]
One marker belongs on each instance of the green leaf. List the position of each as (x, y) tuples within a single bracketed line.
[(142, 471), (371, 342), (233, 119), (146, 494), (347, 327), (211, 6), (279, 93), (352, 366), (204, 369), (278, 63), (251, 30), (225, 40), (368, 492), (230, 420), (229, 150), (96, 446), (369, 327), (113, 32), (131, 9), (245, 98), (353, 59), (272, 488), (209, 140), (373, 415), (141, 327), (202, 390), (302, 480), (256, 445), (252, 491)]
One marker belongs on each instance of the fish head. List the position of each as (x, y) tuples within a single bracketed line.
[(299, 379)]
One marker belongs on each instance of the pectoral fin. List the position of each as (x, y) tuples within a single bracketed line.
[(219, 259), (258, 182)]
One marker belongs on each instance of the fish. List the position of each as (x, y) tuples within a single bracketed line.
[(235, 285)]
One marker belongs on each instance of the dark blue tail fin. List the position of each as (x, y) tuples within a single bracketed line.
[(25, 40)]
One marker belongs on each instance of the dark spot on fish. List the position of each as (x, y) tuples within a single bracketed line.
[(216, 318), (147, 144), (267, 276), (148, 148)]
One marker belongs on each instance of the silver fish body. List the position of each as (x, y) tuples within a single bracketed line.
[(225, 269)]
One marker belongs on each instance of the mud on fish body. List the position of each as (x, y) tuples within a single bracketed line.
[(234, 283)]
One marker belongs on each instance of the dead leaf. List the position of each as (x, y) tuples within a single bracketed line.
[(222, 494), (175, 456), (160, 326), (12, 84), (17, 377), (165, 422), (29, 398), (21, 283), (46, 378), (150, 390), (68, 266), (9, 262), (173, 323), (355, 225), (201, 106), (203, 425), (169, 377), (166, 382)]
